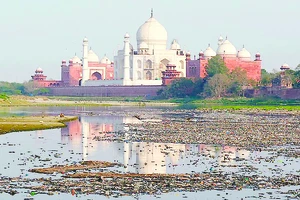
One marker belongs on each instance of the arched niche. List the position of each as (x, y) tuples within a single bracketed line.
[(139, 63), (148, 75), (181, 64), (148, 64), (96, 76), (139, 75), (163, 64)]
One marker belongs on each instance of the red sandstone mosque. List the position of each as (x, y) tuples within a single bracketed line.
[(232, 58), (71, 72)]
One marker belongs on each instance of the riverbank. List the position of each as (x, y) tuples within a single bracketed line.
[(17, 124), (79, 101)]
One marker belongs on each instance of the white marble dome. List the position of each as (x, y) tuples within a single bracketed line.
[(76, 59), (143, 45), (209, 52), (92, 57), (105, 60), (227, 49), (153, 34), (244, 54), (175, 45), (39, 70)]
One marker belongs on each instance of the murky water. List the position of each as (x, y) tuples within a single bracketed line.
[(23, 151)]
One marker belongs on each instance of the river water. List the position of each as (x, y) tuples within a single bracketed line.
[(76, 143)]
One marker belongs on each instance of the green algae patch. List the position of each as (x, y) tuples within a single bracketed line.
[(30, 123)]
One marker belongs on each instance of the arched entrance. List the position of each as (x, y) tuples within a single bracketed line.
[(79, 83), (148, 75), (96, 76)]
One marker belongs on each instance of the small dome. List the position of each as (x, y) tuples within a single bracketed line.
[(76, 59), (105, 60), (209, 52), (85, 40), (126, 35), (143, 45), (285, 66), (92, 57), (175, 45), (39, 70), (227, 49), (188, 53), (244, 54)]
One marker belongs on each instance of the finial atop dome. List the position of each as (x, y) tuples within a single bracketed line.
[(151, 12)]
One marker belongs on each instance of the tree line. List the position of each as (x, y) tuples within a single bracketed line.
[(220, 82), (26, 88)]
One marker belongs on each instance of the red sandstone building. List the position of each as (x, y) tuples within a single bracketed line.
[(71, 73), (39, 80), (232, 59)]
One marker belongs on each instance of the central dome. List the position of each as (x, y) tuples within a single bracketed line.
[(227, 49), (153, 34)]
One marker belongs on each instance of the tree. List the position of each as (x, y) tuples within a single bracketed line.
[(181, 87), (297, 68), (29, 87), (297, 79), (198, 86), (215, 66), (218, 85)]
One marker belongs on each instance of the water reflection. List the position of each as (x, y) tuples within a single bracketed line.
[(142, 157)]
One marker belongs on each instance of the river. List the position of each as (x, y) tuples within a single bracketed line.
[(76, 143)]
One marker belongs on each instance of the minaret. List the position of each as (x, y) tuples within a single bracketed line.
[(85, 70), (126, 58)]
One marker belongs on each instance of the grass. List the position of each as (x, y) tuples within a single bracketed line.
[(17, 124), (239, 104)]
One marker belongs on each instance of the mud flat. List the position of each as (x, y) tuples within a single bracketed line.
[(85, 165), (17, 124)]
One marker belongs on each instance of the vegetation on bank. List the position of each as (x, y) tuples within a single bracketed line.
[(220, 82), (238, 103), (17, 124)]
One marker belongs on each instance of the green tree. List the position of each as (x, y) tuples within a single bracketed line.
[(215, 66), (297, 79), (266, 78), (218, 85), (198, 86), (239, 79), (181, 88), (29, 87)]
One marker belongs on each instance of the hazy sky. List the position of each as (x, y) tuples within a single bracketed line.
[(41, 33)]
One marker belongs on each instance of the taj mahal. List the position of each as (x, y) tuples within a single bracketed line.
[(149, 63), (145, 65)]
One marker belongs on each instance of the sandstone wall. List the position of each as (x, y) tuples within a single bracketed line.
[(275, 92), (106, 91)]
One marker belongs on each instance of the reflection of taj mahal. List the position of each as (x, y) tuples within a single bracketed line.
[(142, 157)]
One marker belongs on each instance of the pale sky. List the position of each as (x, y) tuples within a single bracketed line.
[(41, 33)]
